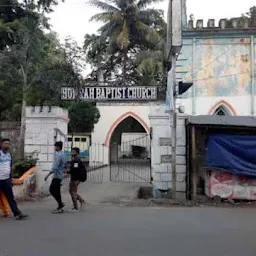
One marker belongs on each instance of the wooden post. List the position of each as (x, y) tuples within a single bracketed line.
[(193, 164)]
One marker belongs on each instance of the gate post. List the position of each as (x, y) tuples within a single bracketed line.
[(161, 151), (44, 126)]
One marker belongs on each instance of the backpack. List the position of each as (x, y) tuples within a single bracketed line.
[(82, 172)]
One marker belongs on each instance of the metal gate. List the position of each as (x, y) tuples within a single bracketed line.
[(92, 155), (131, 161)]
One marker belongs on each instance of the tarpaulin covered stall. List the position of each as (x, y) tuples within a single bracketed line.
[(236, 154), (221, 143)]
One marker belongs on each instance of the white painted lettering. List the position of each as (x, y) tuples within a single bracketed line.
[(70, 93), (113, 93), (144, 93), (139, 93), (123, 92), (64, 93), (108, 92), (129, 93), (98, 93), (103, 93), (153, 93), (91, 93), (86, 94), (119, 93)]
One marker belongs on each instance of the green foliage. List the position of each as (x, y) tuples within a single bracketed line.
[(20, 166), (129, 27), (83, 116), (252, 16), (249, 17), (34, 65), (11, 13)]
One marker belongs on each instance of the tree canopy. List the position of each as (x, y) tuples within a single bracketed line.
[(83, 116), (34, 65), (129, 28)]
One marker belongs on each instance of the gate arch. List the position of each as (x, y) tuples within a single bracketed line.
[(128, 141), (119, 120)]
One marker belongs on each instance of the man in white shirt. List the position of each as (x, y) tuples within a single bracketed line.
[(5, 179)]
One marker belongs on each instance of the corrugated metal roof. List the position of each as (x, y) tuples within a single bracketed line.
[(238, 121)]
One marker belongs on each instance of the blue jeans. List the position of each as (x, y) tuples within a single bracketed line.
[(6, 189)]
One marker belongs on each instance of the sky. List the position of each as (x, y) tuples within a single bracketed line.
[(71, 18)]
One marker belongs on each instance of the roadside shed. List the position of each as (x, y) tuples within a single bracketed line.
[(198, 129)]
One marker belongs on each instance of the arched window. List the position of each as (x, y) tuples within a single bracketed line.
[(222, 111), (222, 108)]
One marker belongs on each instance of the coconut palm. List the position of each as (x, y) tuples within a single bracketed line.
[(127, 25), (151, 63)]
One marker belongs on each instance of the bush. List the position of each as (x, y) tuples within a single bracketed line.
[(20, 166)]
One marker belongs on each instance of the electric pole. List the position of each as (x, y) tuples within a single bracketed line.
[(177, 21)]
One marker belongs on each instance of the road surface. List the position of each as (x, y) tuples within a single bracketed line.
[(124, 185), (102, 230)]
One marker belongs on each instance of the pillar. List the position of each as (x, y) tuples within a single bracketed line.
[(44, 126)]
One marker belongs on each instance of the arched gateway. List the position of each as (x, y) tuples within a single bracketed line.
[(123, 132), (121, 138)]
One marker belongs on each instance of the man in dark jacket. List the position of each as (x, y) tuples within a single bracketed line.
[(76, 169)]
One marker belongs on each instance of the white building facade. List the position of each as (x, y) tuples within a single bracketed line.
[(220, 61)]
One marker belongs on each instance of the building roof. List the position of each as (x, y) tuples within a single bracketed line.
[(235, 121)]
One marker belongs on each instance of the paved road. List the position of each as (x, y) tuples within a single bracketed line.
[(115, 231), (100, 189)]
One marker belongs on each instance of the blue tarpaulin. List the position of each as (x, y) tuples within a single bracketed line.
[(235, 154)]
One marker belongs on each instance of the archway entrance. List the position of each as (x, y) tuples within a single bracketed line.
[(130, 152)]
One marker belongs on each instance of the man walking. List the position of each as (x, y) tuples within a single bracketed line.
[(78, 174), (58, 167), (5, 179)]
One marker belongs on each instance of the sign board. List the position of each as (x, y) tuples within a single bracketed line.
[(165, 142), (169, 93), (165, 159), (105, 93), (174, 26)]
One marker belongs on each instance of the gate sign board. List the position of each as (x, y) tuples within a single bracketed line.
[(105, 93)]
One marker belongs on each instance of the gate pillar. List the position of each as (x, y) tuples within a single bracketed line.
[(44, 126), (161, 151)]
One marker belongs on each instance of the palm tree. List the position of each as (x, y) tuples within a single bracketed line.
[(98, 56), (151, 63), (127, 26)]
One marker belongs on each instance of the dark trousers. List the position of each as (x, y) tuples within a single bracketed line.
[(6, 189), (55, 191)]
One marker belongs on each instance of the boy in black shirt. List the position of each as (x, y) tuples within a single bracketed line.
[(76, 169)]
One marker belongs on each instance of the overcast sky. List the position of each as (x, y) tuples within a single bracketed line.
[(71, 18)]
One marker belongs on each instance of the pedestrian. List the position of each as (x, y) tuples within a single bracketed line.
[(5, 179), (59, 165), (78, 174)]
